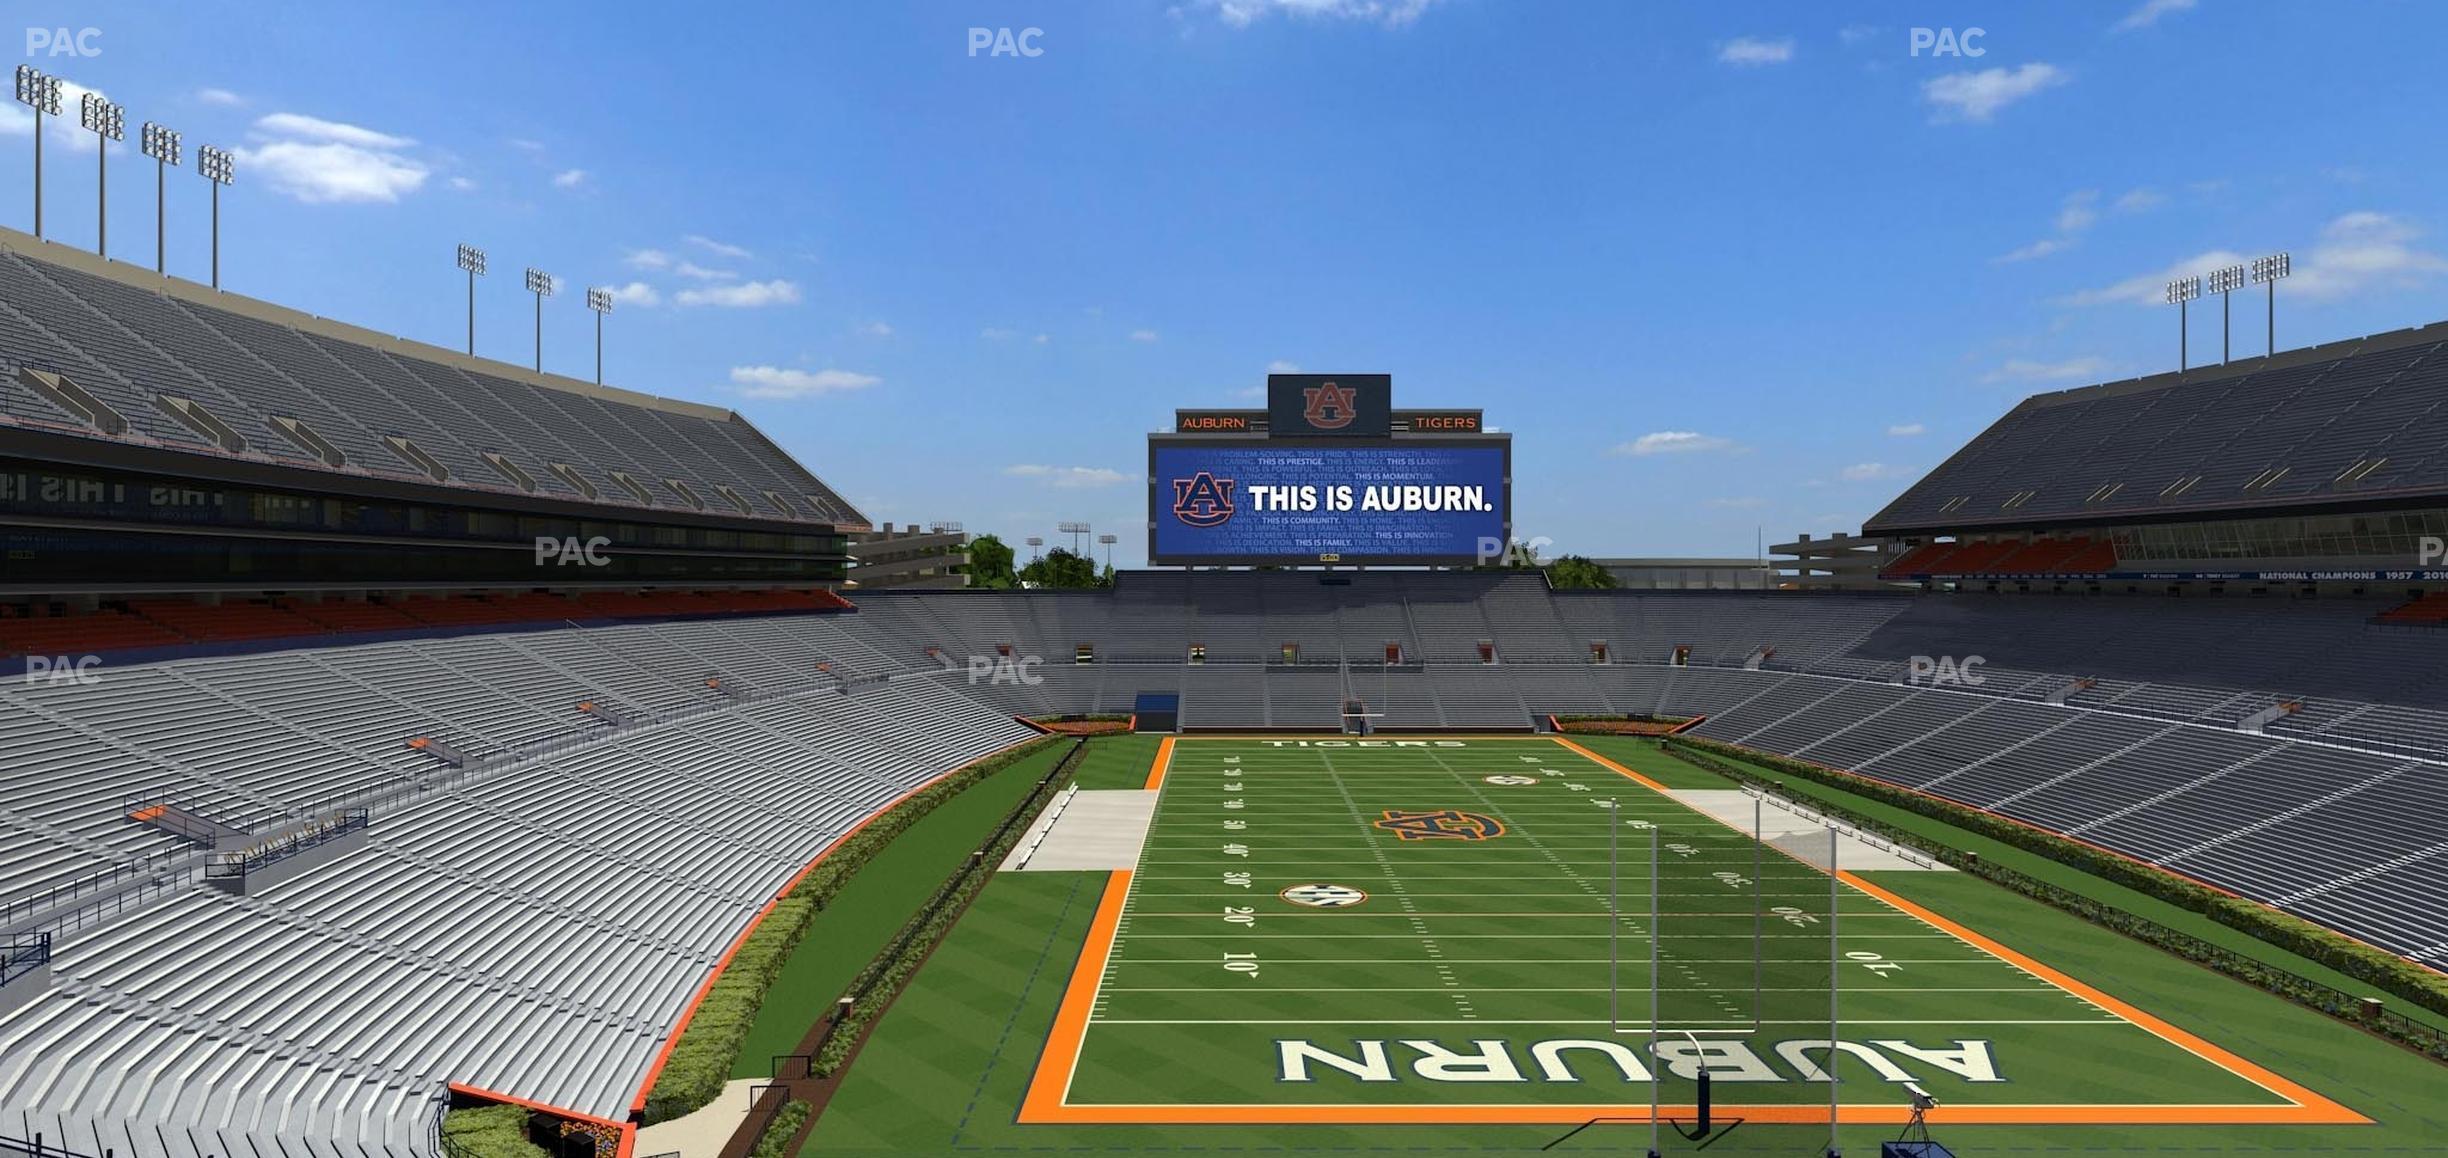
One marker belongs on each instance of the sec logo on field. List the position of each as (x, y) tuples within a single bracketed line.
[(1511, 779), (1320, 896)]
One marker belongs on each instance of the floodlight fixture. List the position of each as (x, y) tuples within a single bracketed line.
[(472, 260), (218, 167), (2180, 292), (107, 122), (41, 93), (600, 301), (2265, 272), (161, 143), (540, 284), (2224, 282), (1108, 541)]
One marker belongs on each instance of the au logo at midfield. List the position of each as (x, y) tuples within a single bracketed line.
[(1440, 824)]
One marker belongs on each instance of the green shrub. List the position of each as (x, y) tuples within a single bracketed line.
[(489, 1132), (708, 1049), (775, 1141)]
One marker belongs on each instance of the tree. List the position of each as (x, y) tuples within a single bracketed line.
[(1061, 570), (1575, 572), (990, 563)]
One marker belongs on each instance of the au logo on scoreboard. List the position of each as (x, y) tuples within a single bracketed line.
[(1342, 405), (1203, 500), (1440, 824)]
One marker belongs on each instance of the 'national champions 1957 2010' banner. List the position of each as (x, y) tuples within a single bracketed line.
[(1420, 502)]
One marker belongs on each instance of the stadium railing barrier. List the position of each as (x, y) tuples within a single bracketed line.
[(2361, 1010)]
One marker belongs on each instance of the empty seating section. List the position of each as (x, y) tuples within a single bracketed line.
[(129, 344), (2293, 431), (534, 930)]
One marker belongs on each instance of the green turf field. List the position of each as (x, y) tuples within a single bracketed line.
[(1095, 1011)]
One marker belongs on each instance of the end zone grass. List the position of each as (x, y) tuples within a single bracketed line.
[(964, 1050)]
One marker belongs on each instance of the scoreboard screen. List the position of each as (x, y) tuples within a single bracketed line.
[(1290, 501)]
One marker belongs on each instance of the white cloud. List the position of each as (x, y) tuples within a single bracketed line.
[(2150, 289), (1907, 430), (302, 127), (647, 259), (1042, 339), (1390, 13), (997, 334), (1068, 476), (636, 293), (777, 382), (1977, 96), (745, 295), (718, 248), (527, 144), (1280, 366), (1752, 52), (330, 162), (221, 97), (569, 178), (687, 268), (1253, 393), (1143, 335), (876, 330), (2150, 12), (2140, 200), (1871, 472), (2082, 369), (1852, 34), (2076, 213), (463, 184), (1673, 442)]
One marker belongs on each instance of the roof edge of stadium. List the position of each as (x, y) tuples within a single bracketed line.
[(40, 249), (2202, 375)]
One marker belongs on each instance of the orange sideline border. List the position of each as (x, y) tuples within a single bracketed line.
[(1047, 1098), (671, 1041)]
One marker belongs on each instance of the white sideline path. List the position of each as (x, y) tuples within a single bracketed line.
[(1805, 839), (1098, 831)]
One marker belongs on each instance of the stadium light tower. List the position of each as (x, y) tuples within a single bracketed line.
[(161, 144), (42, 94), (2225, 282), (2181, 293), (472, 260), (1075, 530), (107, 122), (540, 284), (1109, 541), (1035, 542), (2267, 271), (216, 167), (600, 301)]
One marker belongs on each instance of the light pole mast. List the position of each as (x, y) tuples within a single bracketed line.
[(216, 167), (107, 122), (2224, 282), (2267, 271), (2180, 293), (472, 260), (540, 284), (600, 301), (161, 144), (42, 94)]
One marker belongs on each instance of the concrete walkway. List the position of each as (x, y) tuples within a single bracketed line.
[(704, 1133)]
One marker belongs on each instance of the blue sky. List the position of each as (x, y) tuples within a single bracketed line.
[(1716, 267)]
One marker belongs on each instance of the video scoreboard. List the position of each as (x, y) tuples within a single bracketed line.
[(1328, 472)]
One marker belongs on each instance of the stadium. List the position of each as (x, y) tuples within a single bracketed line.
[(408, 753)]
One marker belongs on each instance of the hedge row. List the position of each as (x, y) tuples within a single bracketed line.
[(2384, 970), (775, 1141), (709, 1047), (883, 978), (488, 1132)]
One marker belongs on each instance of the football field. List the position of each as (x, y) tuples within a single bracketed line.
[(1462, 931)]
